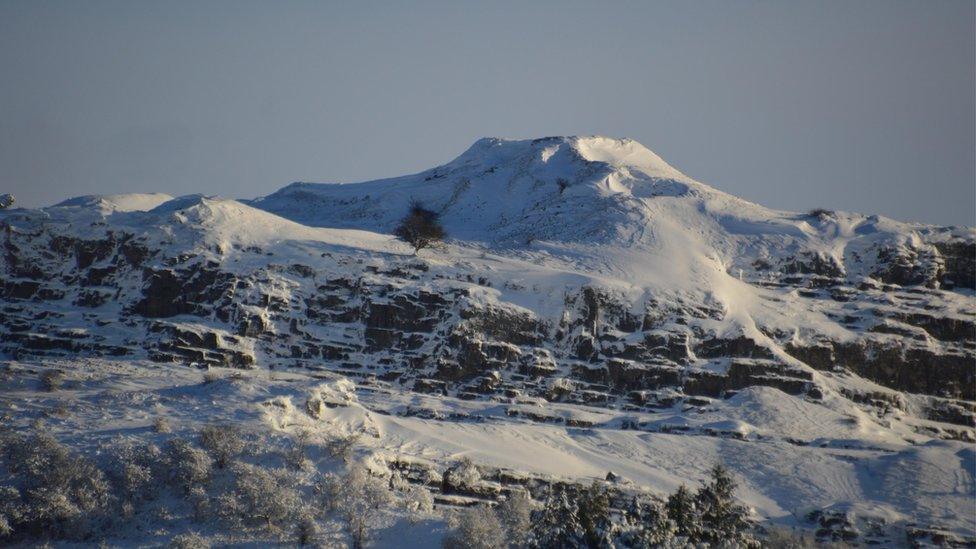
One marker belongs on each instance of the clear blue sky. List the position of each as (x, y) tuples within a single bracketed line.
[(865, 106)]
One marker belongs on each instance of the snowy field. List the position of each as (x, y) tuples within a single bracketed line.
[(789, 456)]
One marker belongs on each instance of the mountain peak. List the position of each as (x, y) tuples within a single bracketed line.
[(566, 188), (615, 152)]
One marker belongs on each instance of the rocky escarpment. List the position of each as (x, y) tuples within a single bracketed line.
[(449, 329)]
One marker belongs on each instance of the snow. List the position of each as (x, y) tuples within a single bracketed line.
[(131, 202), (538, 220), (778, 478)]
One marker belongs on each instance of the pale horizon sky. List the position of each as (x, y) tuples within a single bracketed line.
[(862, 106)]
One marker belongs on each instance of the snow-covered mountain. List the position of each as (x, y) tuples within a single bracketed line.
[(585, 284)]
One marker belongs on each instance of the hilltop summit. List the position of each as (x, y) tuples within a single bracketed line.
[(554, 188)]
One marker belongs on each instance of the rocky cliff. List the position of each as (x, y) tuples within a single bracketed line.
[(579, 270)]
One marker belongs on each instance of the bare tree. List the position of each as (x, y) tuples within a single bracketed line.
[(358, 497), (421, 228), (476, 528)]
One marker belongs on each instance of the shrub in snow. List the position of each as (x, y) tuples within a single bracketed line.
[(327, 492), (559, 388), (358, 498), (10, 510), (306, 530), (162, 425), (6, 200), (136, 481), (52, 380), (315, 406), (342, 446), (223, 441), (211, 376), (421, 228), (199, 500), (476, 528), (515, 514), (56, 493), (187, 466), (463, 475), (134, 469), (782, 538), (295, 455), (417, 499), (189, 540), (260, 497)]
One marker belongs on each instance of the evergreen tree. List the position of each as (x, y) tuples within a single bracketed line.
[(681, 510), (558, 525), (649, 525), (722, 518), (594, 516)]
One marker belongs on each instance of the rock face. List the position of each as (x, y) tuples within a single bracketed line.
[(608, 315)]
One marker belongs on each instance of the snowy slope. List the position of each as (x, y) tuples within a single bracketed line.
[(593, 309)]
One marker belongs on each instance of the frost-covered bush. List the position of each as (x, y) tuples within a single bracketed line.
[(211, 376), (417, 499), (782, 538), (476, 528), (136, 481), (52, 380), (186, 465), (223, 441), (306, 530), (260, 497), (295, 455), (55, 492), (342, 446), (515, 514), (162, 425), (359, 499), (134, 469), (327, 490), (482, 527), (463, 475), (10, 510), (189, 540)]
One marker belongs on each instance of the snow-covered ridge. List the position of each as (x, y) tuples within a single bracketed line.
[(581, 191), (563, 188), (588, 292)]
